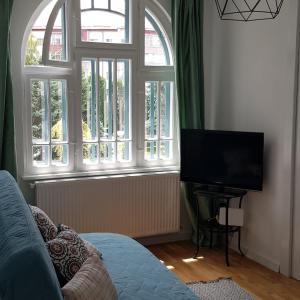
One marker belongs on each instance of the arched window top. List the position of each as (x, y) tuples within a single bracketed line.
[(157, 47), (48, 37), (101, 21), (34, 48)]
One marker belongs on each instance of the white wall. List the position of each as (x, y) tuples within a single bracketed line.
[(296, 208), (250, 76)]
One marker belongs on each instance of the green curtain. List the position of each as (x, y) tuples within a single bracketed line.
[(7, 142), (187, 28)]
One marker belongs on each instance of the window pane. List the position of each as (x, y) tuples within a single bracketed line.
[(151, 150), (166, 150), (39, 111), (101, 4), (85, 4), (88, 100), (58, 110), (124, 151), (107, 152), (165, 110), (40, 155), (58, 45), (90, 153), (119, 6), (59, 155), (151, 113), (123, 99), (104, 27), (34, 49), (156, 45), (106, 106)]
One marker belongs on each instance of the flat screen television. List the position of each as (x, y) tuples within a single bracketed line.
[(228, 159)]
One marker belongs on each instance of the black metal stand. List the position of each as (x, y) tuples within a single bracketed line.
[(226, 195), (198, 229)]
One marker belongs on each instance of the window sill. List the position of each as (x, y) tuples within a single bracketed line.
[(129, 171)]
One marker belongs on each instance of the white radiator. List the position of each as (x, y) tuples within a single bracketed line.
[(135, 205)]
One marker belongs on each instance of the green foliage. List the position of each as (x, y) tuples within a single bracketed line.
[(57, 134), (56, 100), (86, 134), (151, 107), (102, 92), (56, 131), (40, 105), (32, 56), (37, 108), (86, 95)]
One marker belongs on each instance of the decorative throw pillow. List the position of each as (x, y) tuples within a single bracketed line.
[(68, 253), (90, 247), (47, 228), (91, 282), (63, 227)]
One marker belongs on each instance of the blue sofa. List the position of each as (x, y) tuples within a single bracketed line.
[(26, 270)]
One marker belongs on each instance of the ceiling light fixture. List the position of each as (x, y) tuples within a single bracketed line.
[(248, 10)]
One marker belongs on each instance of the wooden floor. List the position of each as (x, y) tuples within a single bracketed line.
[(258, 280)]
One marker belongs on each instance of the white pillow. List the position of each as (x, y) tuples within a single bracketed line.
[(91, 282)]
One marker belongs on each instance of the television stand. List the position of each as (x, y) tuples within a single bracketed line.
[(226, 195)]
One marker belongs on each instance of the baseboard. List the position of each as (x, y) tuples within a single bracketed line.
[(255, 256), (296, 275), (165, 238), (268, 263)]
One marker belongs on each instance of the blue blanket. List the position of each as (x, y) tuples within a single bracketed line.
[(137, 273)]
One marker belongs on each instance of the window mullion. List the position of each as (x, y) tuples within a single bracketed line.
[(127, 28), (65, 109), (158, 119), (97, 110), (115, 81), (49, 30), (172, 109), (64, 32), (49, 119)]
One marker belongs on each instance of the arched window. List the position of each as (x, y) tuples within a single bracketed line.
[(100, 85)]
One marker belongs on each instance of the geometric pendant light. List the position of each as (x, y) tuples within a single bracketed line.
[(248, 10)]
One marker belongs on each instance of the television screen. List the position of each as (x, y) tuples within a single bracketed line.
[(223, 158)]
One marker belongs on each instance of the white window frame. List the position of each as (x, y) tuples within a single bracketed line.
[(47, 73), (92, 53), (71, 71), (69, 40), (133, 32)]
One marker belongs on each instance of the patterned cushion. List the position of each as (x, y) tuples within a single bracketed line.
[(47, 228), (68, 253), (90, 247), (91, 282), (63, 227)]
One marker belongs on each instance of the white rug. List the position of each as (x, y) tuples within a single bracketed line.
[(220, 289)]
